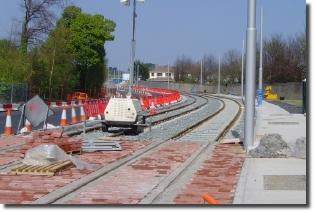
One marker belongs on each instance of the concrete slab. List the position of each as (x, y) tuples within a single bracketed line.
[(254, 186), (251, 187)]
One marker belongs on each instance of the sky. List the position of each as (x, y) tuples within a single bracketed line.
[(168, 29)]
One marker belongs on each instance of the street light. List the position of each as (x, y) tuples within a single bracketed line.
[(128, 3)]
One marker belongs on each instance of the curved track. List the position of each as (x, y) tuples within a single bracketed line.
[(198, 120)]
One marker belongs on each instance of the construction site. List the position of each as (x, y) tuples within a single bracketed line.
[(157, 141)]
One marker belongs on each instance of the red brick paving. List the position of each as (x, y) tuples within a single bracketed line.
[(25, 189), (130, 184), (6, 141), (217, 176)]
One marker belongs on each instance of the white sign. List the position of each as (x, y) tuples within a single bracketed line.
[(126, 77)]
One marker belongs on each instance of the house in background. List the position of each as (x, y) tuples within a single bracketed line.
[(160, 74)]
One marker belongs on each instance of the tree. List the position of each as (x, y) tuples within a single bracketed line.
[(143, 70), (86, 39), (183, 66), (38, 20), (231, 67), (276, 60), (14, 65), (210, 68)]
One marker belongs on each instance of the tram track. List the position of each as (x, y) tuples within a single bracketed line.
[(65, 193)]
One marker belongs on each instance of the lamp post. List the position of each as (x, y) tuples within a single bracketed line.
[(250, 74), (131, 79)]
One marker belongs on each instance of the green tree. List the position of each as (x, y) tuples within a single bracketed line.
[(86, 39), (13, 63), (143, 70)]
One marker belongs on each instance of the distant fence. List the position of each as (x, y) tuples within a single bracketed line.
[(291, 90), (13, 92), (19, 93), (61, 93)]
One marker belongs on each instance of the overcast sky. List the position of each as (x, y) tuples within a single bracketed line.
[(167, 29)]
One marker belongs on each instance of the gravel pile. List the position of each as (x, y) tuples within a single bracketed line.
[(271, 146), (299, 150)]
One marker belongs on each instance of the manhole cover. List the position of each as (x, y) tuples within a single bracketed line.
[(283, 123), (285, 182)]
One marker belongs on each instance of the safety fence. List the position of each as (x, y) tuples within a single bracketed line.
[(156, 96), (94, 108)]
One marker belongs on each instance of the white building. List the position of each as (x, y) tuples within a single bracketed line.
[(160, 73)]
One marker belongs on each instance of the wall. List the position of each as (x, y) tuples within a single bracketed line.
[(292, 90)]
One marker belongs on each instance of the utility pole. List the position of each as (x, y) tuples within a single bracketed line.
[(218, 91), (202, 75), (242, 71), (250, 74)]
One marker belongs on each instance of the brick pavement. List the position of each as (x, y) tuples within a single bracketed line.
[(130, 184), (6, 141), (25, 189), (218, 176)]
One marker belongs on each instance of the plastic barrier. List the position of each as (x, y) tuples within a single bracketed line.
[(93, 108), (162, 96)]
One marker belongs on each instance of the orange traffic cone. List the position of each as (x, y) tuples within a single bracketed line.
[(28, 126), (63, 121), (74, 119), (82, 117), (8, 124)]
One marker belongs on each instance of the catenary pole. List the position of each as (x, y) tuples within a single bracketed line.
[(168, 75), (250, 75), (201, 75), (219, 61), (242, 71), (260, 81)]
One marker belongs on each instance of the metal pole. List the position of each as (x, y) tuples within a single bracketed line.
[(250, 75), (218, 91), (114, 73), (202, 75), (168, 75), (242, 71), (131, 80), (118, 71), (260, 82), (137, 74)]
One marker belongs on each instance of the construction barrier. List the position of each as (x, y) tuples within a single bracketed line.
[(157, 96), (95, 108)]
